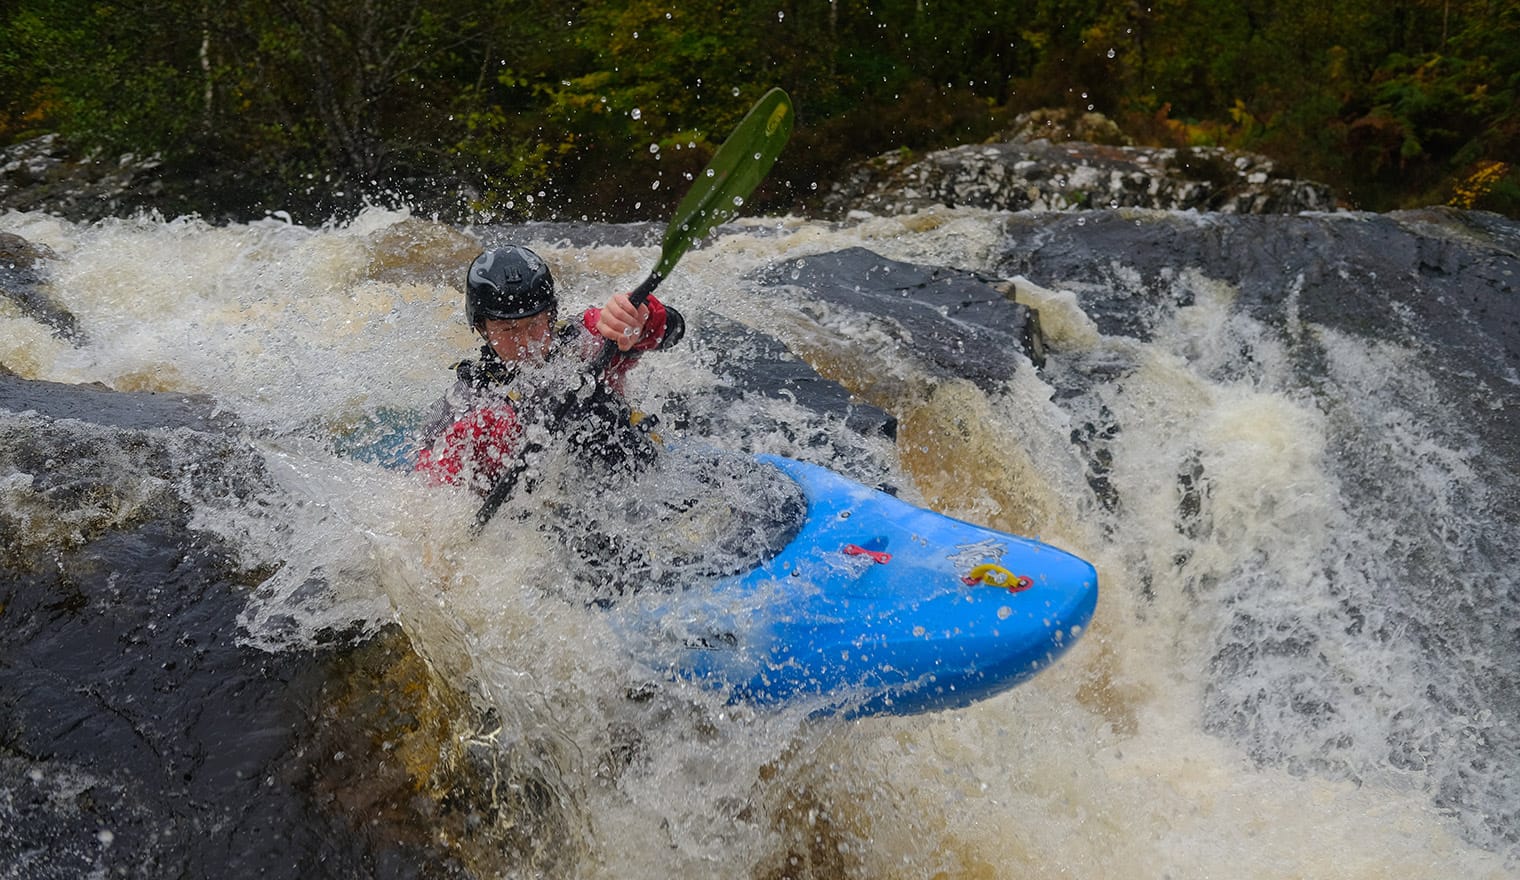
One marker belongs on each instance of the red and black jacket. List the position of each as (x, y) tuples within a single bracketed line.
[(477, 430)]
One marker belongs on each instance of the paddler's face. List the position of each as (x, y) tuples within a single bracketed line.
[(520, 339)]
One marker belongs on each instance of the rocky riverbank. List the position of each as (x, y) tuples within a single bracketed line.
[(46, 174), (1046, 161)]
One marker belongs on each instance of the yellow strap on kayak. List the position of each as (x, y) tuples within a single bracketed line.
[(998, 576), (991, 575)]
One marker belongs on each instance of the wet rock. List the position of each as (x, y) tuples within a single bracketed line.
[(1043, 176), (22, 275), (99, 405), (29, 163), (761, 365), (138, 736), (1447, 276), (18, 254), (952, 322)]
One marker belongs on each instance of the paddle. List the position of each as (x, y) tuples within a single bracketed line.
[(717, 195)]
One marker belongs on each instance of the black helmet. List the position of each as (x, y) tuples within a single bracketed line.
[(509, 282)]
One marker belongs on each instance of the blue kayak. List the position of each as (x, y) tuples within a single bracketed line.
[(873, 607)]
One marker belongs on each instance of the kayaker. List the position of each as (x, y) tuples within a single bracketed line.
[(478, 430)]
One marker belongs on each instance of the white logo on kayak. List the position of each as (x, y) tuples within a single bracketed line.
[(968, 556)]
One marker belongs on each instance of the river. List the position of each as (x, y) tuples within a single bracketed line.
[(1304, 659)]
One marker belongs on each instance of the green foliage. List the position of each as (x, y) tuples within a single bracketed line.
[(105, 74), (602, 107)]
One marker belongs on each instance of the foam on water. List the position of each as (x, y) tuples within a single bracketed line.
[(1252, 700)]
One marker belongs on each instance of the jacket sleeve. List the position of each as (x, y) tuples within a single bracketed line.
[(474, 450)]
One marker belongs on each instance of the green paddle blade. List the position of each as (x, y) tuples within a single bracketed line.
[(734, 172)]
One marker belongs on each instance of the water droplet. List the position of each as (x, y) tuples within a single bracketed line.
[(654, 148), (655, 185), (1111, 53), (711, 172), (736, 91), (636, 113), (781, 16), (1004, 612), (738, 200)]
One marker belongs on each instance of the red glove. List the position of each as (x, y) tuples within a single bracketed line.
[(620, 313)]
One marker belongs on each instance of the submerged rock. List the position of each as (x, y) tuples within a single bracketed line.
[(22, 274)]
